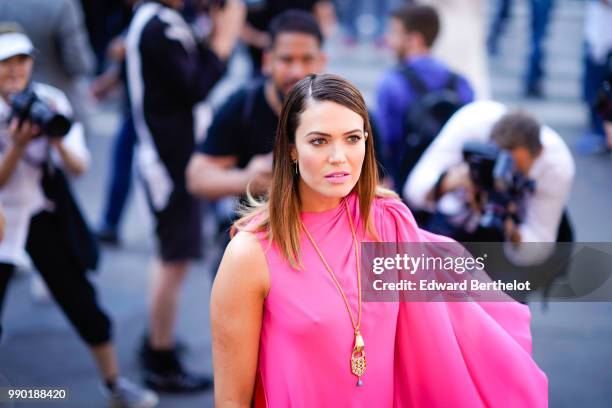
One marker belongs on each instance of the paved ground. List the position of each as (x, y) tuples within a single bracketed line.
[(571, 341)]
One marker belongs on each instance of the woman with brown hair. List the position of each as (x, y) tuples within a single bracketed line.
[(288, 322)]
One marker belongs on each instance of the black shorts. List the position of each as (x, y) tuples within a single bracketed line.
[(179, 227)]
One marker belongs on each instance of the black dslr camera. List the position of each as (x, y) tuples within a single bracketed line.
[(498, 183), (27, 106)]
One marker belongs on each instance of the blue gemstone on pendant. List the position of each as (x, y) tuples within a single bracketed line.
[(359, 383)]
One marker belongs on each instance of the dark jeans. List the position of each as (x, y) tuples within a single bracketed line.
[(592, 80), (540, 15), (121, 173), (66, 281)]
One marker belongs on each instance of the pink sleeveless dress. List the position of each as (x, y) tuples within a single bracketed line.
[(418, 354)]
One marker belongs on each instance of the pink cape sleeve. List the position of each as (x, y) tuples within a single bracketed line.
[(460, 354)]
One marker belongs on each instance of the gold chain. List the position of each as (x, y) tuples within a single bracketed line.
[(358, 355)]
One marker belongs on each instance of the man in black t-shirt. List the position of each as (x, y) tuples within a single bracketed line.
[(238, 148)]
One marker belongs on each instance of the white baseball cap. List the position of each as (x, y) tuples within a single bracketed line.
[(12, 44)]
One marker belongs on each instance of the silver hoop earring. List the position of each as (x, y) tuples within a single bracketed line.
[(297, 171)]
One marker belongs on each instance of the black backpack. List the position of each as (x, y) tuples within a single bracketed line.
[(425, 117)]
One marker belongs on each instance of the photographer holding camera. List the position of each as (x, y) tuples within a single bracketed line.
[(37, 141), (542, 167)]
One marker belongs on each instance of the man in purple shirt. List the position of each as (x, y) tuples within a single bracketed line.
[(412, 32)]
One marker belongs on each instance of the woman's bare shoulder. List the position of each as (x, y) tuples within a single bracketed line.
[(245, 244), (244, 260)]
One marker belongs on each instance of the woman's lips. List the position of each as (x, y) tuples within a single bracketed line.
[(338, 177)]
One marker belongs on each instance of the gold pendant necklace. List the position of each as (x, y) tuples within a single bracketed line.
[(358, 360)]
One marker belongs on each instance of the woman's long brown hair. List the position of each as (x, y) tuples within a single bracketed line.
[(279, 214)]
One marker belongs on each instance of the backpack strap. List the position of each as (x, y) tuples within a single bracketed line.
[(452, 82), (419, 86), (415, 82)]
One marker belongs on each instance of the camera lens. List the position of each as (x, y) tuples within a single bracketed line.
[(52, 123)]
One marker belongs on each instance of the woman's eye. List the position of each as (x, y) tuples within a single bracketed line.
[(354, 138), (318, 141)]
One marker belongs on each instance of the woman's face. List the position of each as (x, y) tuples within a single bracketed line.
[(15, 74), (330, 149)]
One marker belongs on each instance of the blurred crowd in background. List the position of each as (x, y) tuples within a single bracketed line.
[(157, 63)]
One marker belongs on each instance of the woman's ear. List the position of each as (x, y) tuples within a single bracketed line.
[(293, 153)]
